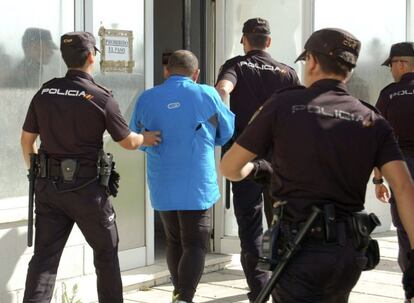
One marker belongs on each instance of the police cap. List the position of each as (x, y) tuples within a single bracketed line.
[(402, 49), (333, 42), (256, 26), (75, 43), (37, 35)]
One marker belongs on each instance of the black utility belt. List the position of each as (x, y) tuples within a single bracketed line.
[(66, 170), (357, 226), (319, 231)]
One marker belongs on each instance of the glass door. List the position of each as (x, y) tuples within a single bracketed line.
[(286, 25), (130, 204)]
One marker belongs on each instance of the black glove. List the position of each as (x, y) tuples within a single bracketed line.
[(113, 183), (262, 172), (408, 276)]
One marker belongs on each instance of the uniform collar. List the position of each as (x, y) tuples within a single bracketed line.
[(174, 78), (330, 83), (258, 52), (72, 73), (407, 77)]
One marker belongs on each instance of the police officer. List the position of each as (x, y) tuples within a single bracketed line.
[(249, 80), (325, 144), (70, 115), (396, 104)]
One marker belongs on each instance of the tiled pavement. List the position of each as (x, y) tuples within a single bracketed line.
[(228, 285)]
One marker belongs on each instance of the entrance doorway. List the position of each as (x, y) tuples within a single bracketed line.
[(178, 24)]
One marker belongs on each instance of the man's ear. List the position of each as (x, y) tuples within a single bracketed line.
[(312, 62), (90, 58), (165, 72), (195, 75), (268, 41)]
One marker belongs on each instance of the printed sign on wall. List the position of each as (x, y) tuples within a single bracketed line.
[(116, 48)]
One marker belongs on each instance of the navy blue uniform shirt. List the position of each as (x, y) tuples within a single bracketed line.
[(71, 114), (255, 76), (325, 145), (396, 104)]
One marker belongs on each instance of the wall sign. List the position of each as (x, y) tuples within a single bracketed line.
[(116, 50)]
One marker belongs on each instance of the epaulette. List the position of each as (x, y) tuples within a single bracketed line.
[(370, 106), (104, 88), (50, 81), (289, 88)]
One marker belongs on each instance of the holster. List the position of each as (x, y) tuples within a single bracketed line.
[(271, 240), (362, 225)]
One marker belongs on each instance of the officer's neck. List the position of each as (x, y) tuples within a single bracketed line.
[(324, 76), (86, 69), (248, 48), (399, 76)]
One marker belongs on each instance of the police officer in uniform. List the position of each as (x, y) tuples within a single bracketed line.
[(249, 80), (325, 144), (70, 115), (396, 104)]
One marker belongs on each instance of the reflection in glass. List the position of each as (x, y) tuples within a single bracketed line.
[(28, 58), (38, 48)]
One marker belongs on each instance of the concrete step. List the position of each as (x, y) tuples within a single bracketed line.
[(158, 274)]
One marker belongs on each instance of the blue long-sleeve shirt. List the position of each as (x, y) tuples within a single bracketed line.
[(192, 119)]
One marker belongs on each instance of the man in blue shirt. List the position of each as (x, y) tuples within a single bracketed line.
[(182, 170)]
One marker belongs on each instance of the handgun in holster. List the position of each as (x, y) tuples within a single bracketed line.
[(105, 166), (362, 225), (271, 239)]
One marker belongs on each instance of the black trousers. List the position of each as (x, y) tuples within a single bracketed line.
[(248, 203), (187, 235), (319, 272), (56, 214), (403, 241)]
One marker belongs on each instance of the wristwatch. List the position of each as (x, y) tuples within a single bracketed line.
[(377, 181)]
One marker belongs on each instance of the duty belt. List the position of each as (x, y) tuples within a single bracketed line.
[(319, 232), (53, 169)]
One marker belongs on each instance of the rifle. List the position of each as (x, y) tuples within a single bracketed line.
[(33, 171), (291, 248)]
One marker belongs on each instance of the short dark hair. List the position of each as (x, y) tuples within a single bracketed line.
[(257, 40), (75, 61), (331, 65), (182, 62)]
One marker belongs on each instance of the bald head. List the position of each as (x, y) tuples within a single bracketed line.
[(182, 62)]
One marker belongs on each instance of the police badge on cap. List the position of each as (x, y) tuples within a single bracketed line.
[(334, 42), (77, 42)]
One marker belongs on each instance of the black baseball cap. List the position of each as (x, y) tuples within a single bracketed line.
[(37, 35), (75, 43), (256, 26), (334, 42), (402, 49)]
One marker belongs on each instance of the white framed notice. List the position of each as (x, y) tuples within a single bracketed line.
[(116, 50)]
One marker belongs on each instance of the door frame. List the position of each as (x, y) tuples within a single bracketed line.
[(224, 243)]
